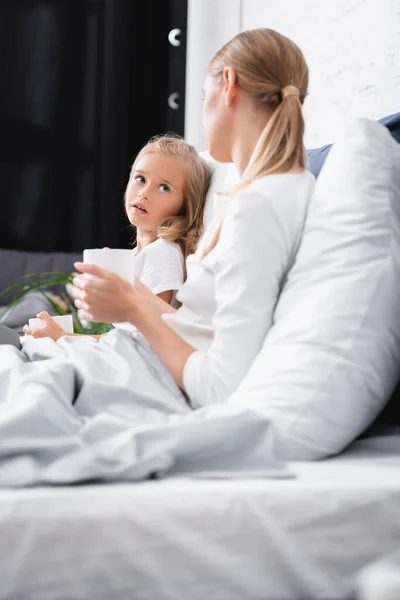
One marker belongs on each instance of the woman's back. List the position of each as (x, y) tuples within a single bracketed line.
[(229, 296)]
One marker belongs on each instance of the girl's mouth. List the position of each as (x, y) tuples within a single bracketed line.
[(139, 209)]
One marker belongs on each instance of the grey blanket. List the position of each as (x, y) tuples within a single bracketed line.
[(80, 410)]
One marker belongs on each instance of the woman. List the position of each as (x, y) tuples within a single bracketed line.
[(253, 96)]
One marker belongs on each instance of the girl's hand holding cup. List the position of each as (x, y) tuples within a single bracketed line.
[(46, 326)]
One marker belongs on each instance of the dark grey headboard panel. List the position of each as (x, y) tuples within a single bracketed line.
[(15, 263)]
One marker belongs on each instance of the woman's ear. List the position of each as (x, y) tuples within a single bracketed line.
[(229, 83)]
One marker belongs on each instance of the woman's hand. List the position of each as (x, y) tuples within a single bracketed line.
[(104, 296), (51, 328)]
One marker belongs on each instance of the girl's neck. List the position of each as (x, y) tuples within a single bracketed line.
[(144, 238)]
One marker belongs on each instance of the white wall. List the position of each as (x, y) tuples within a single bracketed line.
[(352, 48), (211, 23)]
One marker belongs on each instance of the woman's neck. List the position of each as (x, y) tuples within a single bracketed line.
[(249, 128), (144, 238)]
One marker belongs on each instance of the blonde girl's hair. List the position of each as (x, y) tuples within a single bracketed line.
[(271, 69), (186, 228)]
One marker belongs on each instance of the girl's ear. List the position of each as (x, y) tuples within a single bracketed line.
[(229, 83)]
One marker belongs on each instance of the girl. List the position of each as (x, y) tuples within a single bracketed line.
[(164, 201), (199, 354)]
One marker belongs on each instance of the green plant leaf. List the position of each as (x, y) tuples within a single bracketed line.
[(41, 282), (56, 307)]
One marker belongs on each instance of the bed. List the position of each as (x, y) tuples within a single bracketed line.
[(185, 538), (197, 539)]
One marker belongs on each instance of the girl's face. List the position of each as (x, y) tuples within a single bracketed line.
[(217, 120), (155, 191)]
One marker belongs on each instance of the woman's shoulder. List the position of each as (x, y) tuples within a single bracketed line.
[(277, 192), (277, 201), (299, 182)]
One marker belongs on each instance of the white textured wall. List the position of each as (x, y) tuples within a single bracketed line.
[(352, 48), (211, 23)]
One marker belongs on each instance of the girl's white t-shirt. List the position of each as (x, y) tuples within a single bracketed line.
[(160, 267)]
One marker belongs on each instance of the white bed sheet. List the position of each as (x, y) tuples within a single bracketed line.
[(197, 540)]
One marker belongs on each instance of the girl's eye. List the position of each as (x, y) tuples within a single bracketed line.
[(164, 187), (140, 179)]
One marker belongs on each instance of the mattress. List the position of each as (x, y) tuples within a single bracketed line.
[(206, 539)]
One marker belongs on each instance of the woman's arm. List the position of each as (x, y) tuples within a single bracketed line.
[(253, 254), (249, 263), (169, 346)]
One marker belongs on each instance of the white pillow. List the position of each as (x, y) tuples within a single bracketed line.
[(332, 358)]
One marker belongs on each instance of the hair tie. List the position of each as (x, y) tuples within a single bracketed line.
[(290, 90)]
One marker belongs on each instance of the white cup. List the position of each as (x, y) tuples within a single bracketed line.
[(119, 261), (64, 321)]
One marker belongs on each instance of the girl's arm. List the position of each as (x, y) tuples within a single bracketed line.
[(52, 329), (159, 304), (166, 296)]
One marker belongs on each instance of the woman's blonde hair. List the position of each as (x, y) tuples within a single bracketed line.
[(185, 228), (270, 68)]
